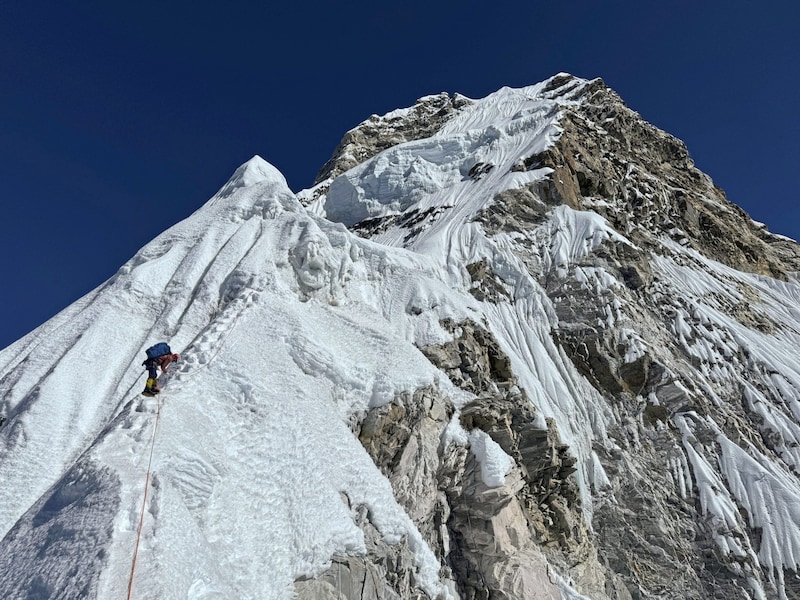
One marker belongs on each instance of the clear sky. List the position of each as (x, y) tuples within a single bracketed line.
[(119, 119)]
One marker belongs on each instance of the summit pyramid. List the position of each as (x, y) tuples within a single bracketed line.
[(509, 347)]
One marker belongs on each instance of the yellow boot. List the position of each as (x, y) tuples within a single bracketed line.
[(151, 388)]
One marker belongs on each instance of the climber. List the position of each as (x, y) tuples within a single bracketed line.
[(159, 355)]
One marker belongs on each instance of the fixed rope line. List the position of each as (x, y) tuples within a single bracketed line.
[(144, 500), (178, 376)]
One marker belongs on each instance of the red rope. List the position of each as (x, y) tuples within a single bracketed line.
[(144, 500)]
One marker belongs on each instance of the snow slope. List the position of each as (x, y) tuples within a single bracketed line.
[(736, 333), (436, 181), (290, 328), (287, 326)]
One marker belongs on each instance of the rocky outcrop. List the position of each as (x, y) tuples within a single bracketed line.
[(486, 285), (385, 572), (492, 540), (473, 360), (643, 181), (670, 359), (540, 490), (404, 439), (481, 534), (381, 132)]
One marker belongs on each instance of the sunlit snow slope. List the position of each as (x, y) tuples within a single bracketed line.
[(664, 370), (287, 326), (617, 246)]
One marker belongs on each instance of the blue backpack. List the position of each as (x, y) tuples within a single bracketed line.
[(159, 349)]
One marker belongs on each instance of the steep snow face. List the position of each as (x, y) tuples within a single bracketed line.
[(473, 153), (61, 384), (594, 228), (625, 338), (425, 196), (288, 327)]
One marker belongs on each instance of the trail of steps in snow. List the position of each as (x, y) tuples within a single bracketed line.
[(128, 449), (137, 421), (205, 347)]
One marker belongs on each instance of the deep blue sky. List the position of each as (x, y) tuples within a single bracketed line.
[(119, 119)]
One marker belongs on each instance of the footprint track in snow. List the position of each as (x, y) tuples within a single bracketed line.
[(206, 345)]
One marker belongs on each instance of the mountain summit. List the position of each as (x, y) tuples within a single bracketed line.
[(254, 171), (509, 347)]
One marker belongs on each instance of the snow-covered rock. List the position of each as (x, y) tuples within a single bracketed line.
[(516, 346)]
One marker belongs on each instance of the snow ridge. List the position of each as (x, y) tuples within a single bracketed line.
[(642, 362), (250, 291)]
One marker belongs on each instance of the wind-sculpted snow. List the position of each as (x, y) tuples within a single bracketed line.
[(541, 365), (572, 235), (742, 332), (287, 327), (435, 172), (632, 300)]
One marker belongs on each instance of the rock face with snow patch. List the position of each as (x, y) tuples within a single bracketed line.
[(666, 298), (562, 366), (381, 132)]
